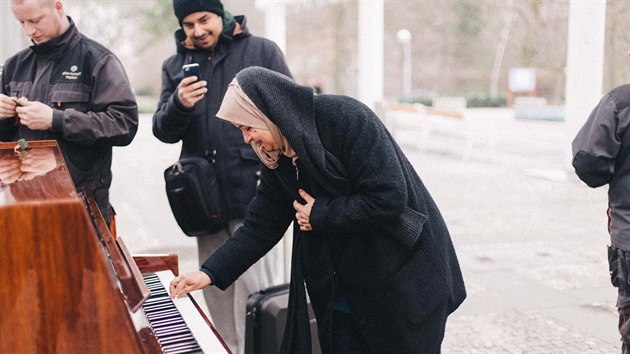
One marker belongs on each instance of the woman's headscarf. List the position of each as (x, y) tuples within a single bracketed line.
[(239, 110)]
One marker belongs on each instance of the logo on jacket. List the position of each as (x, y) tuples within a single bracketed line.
[(72, 74)]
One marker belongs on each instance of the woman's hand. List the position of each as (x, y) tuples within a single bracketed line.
[(188, 282), (303, 212)]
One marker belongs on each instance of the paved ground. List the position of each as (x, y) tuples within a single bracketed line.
[(530, 237)]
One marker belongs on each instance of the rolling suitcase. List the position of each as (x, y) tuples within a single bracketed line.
[(266, 315)]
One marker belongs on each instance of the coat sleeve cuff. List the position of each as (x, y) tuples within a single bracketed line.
[(7, 123), (57, 121), (179, 106), (213, 278)]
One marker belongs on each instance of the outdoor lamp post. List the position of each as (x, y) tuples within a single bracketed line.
[(404, 37)]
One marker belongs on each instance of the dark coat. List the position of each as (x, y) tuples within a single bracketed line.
[(378, 238), (601, 151), (199, 129), (93, 105)]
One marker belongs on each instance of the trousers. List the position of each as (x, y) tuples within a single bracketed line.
[(227, 307), (619, 265)]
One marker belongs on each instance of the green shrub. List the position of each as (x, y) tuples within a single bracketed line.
[(146, 104), (484, 100)]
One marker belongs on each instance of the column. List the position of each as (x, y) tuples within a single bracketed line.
[(275, 21), (585, 61), (11, 37), (370, 63)]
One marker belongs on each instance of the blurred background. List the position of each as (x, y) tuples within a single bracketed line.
[(483, 96), (456, 48)]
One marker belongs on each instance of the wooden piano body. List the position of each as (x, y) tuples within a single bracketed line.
[(66, 285)]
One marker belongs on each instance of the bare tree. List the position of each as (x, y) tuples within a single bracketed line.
[(501, 46)]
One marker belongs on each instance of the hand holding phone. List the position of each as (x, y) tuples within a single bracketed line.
[(190, 93), (191, 70)]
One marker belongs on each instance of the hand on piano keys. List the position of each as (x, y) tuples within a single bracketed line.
[(183, 284), (178, 324)]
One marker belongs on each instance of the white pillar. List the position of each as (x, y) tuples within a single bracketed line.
[(371, 28), (585, 67), (12, 38), (404, 37), (585, 60), (276, 30), (275, 21)]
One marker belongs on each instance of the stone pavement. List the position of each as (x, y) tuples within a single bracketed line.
[(530, 237)]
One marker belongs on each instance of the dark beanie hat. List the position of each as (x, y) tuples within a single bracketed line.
[(184, 8)]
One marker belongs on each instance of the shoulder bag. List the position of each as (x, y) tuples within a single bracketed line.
[(195, 197)]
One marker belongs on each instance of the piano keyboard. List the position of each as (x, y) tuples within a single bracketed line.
[(176, 333)]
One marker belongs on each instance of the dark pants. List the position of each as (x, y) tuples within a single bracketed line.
[(347, 338), (619, 263)]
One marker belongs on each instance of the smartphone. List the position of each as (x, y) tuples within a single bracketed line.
[(191, 70)]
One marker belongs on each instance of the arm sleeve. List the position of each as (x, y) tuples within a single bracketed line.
[(275, 59), (8, 130), (597, 144), (269, 215), (171, 120), (113, 116), (378, 191)]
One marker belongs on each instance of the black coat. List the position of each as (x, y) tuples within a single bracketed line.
[(93, 105), (601, 151), (378, 238), (199, 129)]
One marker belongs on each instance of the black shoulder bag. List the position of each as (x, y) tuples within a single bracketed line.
[(194, 194), (193, 191)]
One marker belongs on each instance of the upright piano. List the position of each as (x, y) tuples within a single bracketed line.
[(68, 286)]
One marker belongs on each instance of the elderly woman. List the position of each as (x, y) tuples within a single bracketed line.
[(369, 241)]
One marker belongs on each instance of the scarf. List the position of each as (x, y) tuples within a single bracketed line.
[(239, 110)]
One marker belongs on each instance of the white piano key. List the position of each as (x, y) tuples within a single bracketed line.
[(204, 335)]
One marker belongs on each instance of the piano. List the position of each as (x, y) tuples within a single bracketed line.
[(68, 285)]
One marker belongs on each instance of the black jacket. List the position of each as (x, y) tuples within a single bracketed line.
[(378, 238), (601, 151), (93, 105), (199, 129)]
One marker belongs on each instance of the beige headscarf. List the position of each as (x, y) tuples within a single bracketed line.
[(238, 109)]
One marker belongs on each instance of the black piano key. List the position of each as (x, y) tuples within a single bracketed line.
[(162, 314), (166, 331), (185, 351), (185, 337), (181, 348), (167, 323)]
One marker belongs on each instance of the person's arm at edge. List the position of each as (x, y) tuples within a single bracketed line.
[(597, 144), (171, 119)]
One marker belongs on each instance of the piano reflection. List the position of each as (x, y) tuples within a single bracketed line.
[(68, 286)]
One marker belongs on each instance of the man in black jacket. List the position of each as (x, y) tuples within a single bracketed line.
[(69, 88), (601, 152), (222, 46)]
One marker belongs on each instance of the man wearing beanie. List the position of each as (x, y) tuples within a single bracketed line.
[(222, 45)]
